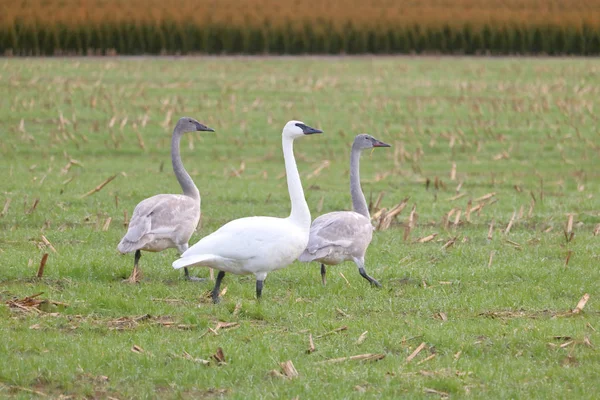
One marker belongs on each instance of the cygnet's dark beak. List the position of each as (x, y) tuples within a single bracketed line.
[(307, 130), (377, 143), (200, 127)]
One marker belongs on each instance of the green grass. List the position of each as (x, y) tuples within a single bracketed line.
[(522, 128)]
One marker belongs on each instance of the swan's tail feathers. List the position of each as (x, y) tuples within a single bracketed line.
[(199, 259)]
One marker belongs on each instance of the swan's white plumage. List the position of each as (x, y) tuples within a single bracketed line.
[(248, 246), (259, 245)]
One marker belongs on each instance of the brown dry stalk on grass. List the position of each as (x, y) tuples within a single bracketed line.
[(47, 243), (288, 369), (485, 197), (491, 258), (491, 230), (579, 307), (458, 196), (238, 172), (412, 221), (40, 272), (317, 171), (415, 352), (311, 344), (219, 356), (6, 206), (426, 238), (426, 359), (510, 223), (99, 187), (438, 392), (32, 303), (384, 218), (457, 219), (106, 224), (336, 330), (468, 211), (569, 254), (362, 338), (140, 139), (33, 206), (569, 229), (359, 357), (446, 218), (449, 243)]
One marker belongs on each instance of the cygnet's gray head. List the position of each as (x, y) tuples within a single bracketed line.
[(365, 141), (187, 124)]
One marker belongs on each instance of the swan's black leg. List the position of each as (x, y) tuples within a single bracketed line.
[(323, 275), (136, 260), (364, 274), (361, 269), (259, 287), (136, 273), (217, 288)]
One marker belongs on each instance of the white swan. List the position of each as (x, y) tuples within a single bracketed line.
[(345, 235), (258, 245), (166, 220)]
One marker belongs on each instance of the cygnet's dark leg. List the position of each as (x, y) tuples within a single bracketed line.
[(217, 288), (136, 273), (259, 288), (323, 275), (361, 269)]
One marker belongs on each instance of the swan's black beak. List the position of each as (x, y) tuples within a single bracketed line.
[(204, 128), (307, 130), (377, 143)]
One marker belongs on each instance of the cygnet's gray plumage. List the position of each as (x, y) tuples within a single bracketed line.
[(166, 220), (345, 235)]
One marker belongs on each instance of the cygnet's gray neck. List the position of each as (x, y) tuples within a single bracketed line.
[(359, 203), (186, 182)]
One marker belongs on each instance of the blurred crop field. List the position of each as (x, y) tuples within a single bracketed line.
[(487, 211), (108, 27)]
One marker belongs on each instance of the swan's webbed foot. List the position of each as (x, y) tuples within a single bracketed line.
[(323, 275), (217, 288), (371, 280)]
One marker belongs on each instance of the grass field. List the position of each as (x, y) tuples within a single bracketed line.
[(490, 312)]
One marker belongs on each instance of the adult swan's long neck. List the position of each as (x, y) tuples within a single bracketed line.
[(300, 213), (186, 182), (359, 204)]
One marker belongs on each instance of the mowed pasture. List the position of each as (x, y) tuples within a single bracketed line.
[(482, 270)]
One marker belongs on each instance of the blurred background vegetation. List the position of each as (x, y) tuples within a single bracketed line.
[(100, 27)]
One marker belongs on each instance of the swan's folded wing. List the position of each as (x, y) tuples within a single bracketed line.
[(241, 239), (157, 215), (341, 229)]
